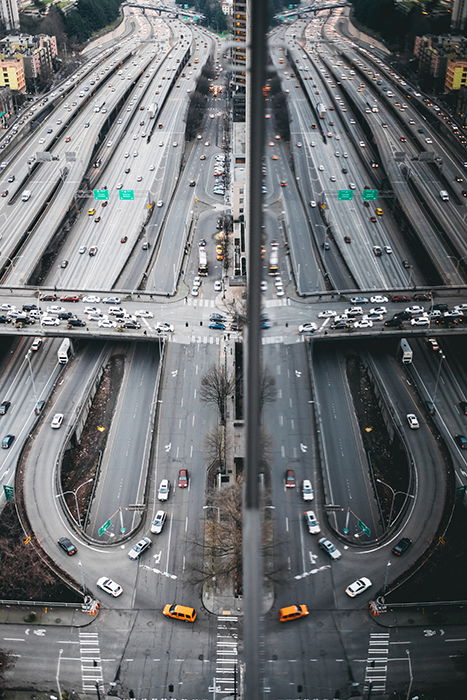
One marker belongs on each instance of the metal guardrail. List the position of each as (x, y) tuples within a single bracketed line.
[(41, 604)]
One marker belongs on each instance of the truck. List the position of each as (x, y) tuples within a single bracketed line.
[(26, 195), (444, 195), (152, 110), (321, 109), (203, 262), (405, 352), (63, 351), (274, 259)]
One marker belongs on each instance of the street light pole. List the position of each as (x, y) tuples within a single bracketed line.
[(63, 493), (441, 358), (28, 358), (394, 494)]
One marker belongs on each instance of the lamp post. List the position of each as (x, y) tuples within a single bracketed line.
[(441, 358), (218, 511), (63, 493), (458, 260), (394, 494), (28, 358)]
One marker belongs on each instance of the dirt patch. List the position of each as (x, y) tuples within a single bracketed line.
[(81, 462), (23, 574)]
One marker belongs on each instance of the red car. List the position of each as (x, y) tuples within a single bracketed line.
[(422, 297), (183, 478), (48, 297), (289, 479), (68, 139), (400, 297), (70, 298), (123, 239)]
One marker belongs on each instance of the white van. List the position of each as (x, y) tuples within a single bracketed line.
[(26, 195)]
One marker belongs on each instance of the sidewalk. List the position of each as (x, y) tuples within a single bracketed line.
[(36, 616), (432, 616)]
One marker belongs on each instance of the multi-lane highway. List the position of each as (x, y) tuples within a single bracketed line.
[(118, 273)]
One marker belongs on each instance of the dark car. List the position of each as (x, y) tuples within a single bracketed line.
[(7, 441), (401, 547), (406, 264), (38, 408), (403, 315), (217, 317), (183, 478), (123, 239), (48, 297), (4, 406), (345, 171), (461, 441), (4, 319), (394, 323), (422, 296), (192, 183), (64, 263), (440, 307), (29, 307), (65, 315), (463, 407), (76, 322), (430, 407), (400, 297), (67, 546), (290, 479), (131, 324)]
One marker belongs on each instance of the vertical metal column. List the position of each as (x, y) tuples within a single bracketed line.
[(252, 560)]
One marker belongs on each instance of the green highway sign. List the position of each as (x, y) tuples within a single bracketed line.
[(345, 194), (104, 527), (364, 528), (370, 194), (101, 194), (9, 492), (126, 194)]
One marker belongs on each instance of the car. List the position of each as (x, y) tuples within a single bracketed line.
[(4, 406), (329, 548), (55, 309), (311, 522), (463, 407), (163, 327), (412, 420), (70, 297), (321, 167), (7, 441), (347, 239), (461, 441), (109, 586), (401, 547), (5, 193), (400, 298), (363, 323), (164, 490), (202, 157), (433, 343), (64, 264), (387, 249), (313, 203), (379, 299), (406, 265), (362, 144), (358, 586), (217, 325), (50, 321), (332, 178), (309, 327), (91, 212), (67, 546), (218, 286), (123, 239), (139, 548), (352, 311), (290, 479), (183, 479), (359, 300), (91, 299), (420, 321), (158, 523), (105, 300), (11, 178), (293, 612), (327, 313), (373, 220), (160, 203), (415, 310), (195, 292), (144, 313), (103, 322), (57, 421), (179, 612), (307, 490), (68, 139), (424, 296), (76, 322)]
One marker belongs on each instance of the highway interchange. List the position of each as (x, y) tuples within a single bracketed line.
[(160, 422)]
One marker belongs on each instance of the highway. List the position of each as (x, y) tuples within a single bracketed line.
[(126, 270)]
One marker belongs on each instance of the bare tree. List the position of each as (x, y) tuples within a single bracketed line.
[(237, 307), (216, 386), (268, 390)]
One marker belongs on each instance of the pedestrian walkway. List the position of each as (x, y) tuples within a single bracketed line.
[(91, 666), (377, 663), (226, 679)]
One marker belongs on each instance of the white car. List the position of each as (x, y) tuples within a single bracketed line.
[(218, 286), (327, 313), (362, 144), (164, 490), (55, 309), (158, 522), (109, 586), (311, 522), (195, 292), (140, 547), (320, 167), (372, 316), (106, 323), (160, 203), (363, 323), (353, 311), (57, 420), (309, 327), (107, 300), (50, 321), (420, 321), (197, 281), (388, 249), (280, 291), (412, 420), (143, 313), (415, 310), (307, 490), (264, 285), (357, 587), (313, 203), (379, 299), (163, 327), (378, 310), (91, 299)]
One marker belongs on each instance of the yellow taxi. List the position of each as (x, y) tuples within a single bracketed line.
[(91, 212), (293, 612), (179, 612)]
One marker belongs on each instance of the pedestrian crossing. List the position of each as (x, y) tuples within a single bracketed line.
[(271, 303), (199, 302), (377, 663), (90, 658), (227, 672)]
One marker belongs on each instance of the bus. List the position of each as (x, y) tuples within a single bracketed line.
[(405, 352), (63, 351), (321, 109), (274, 259)]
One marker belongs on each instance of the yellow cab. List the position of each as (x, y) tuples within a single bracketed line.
[(379, 212), (179, 612), (91, 212), (293, 612)]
